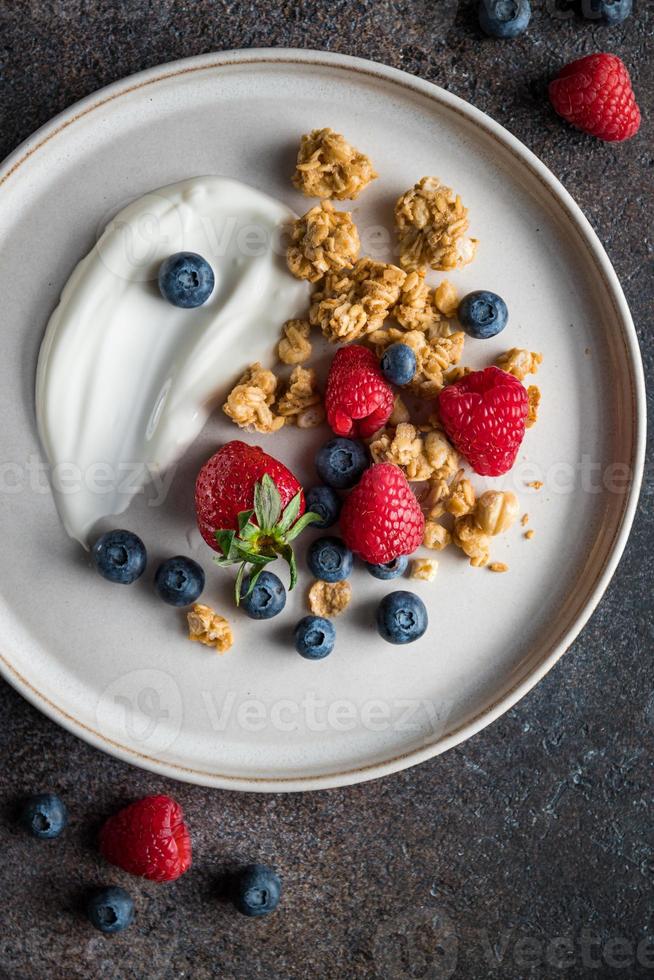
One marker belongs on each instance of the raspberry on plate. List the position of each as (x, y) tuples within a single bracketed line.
[(484, 417), (358, 398), (148, 838), (381, 519), (595, 95)]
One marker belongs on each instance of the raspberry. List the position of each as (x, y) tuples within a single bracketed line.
[(358, 398), (148, 838), (381, 519), (484, 416), (595, 95)]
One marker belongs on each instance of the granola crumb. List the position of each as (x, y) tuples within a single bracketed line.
[(472, 540), (414, 309), (207, 627), (424, 569), (533, 394), (356, 302), (295, 346), (436, 536), (462, 499), (498, 566), (249, 402), (529, 534), (300, 395), (431, 224), (446, 299), (323, 240), (524, 520), (329, 598), (329, 167), (496, 510), (536, 484), (519, 362)]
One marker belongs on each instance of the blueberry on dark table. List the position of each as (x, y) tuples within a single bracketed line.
[(504, 18), (610, 11), (257, 890), (43, 815), (186, 279), (179, 581), (119, 556), (110, 909)]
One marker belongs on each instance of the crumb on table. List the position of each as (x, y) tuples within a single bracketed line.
[(498, 566)]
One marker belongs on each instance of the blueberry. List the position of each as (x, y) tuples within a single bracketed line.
[(611, 11), (329, 559), (257, 890), (110, 909), (390, 569), (314, 637), (341, 462), (399, 364), (179, 581), (504, 18), (186, 280), (326, 502), (401, 617), (483, 314), (119, 556), (267, 599), (43, 815)]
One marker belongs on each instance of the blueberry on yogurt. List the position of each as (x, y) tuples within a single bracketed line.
[(186, 279)]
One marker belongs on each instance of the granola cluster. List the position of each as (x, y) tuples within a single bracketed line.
[(431, 224), (435, 354), (519, 362), (329, 167), (323, 240), (414, 309), (446, 299), (249, 403), (493, 513), (355, 302), (295, 346), (329, 598), (422, 456), (207, 627), (533, 394), (300, 404), (424, 569)]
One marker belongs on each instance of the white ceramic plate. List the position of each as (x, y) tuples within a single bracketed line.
[(112, 664)]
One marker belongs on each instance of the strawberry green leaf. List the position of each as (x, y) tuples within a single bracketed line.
[(225, 541), (238, 585), (288, 555), (299, 526), (244, 519), (267, 502), (290, 512)]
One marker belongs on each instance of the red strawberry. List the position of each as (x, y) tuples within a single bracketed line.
[(249, 506), (381, 519), (484, 416), (595, 94), (148, 838), (358, 399)]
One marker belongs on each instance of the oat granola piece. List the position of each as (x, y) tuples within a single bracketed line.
[(206, 626), (356, 302), (323, 240), (436, 536), (524, 520), (249, 402), (414, 309), (472, 540), (498, 566), (300, 395), (519, 362), (431, 224), (461, 500), (424, 569), (329, 598), (496, 511), (533, 394), (329, 167), (404, 448), (536, 485), (446, 299), (529, 534), (295, 346)]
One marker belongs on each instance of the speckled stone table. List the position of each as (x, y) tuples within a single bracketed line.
[(528, 851)]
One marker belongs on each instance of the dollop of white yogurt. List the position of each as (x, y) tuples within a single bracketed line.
[(126, 381)]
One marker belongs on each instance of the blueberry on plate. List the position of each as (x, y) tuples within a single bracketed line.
[(314, 637), (611, 11), (110, 909), (257, 890), (119, 556), (329, 559), (325, 502), (341, 462), (399, 364), (401, 617), (43, 815), (504, 18), (390, 569), (483, 314), (179, 581), (186, 280), (267, 599)]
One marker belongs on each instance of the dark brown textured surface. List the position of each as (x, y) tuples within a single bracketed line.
[(472, 865)]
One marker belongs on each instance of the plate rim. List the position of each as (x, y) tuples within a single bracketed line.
[(310, 57)]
